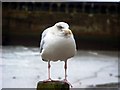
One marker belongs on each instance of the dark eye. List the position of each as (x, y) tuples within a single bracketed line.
[(60, 27)]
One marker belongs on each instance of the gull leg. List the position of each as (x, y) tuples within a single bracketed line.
[(65, 67), (49, 70), (49, 79)]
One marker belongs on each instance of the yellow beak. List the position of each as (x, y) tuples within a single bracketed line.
[(68, 32)]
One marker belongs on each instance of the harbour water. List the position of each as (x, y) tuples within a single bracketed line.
[(22, 67)]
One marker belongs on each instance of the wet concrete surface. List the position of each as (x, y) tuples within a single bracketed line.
[(22, 67)]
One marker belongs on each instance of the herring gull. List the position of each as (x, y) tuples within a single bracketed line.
[(57, 43)]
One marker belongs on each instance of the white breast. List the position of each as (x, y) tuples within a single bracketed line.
[(58, 48)]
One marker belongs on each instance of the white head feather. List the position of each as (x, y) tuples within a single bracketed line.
[(62, 25)]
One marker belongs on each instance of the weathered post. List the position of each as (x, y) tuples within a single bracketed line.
[(52, 85)]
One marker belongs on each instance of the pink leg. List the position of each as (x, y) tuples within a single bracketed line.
[(65, 67), (49, 79), (65, 80), (49, 70)]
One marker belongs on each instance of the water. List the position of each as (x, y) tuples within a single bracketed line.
[(22, 67)]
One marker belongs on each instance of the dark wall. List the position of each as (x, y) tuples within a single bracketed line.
[(95, 25)]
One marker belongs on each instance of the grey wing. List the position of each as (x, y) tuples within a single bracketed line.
[(42, 40), (41, 45)]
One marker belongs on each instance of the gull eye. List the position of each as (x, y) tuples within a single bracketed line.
[(60, 27)]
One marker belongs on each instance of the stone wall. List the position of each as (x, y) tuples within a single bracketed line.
[(91, 30)]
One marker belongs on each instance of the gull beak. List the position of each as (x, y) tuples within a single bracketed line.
[(67, 32)]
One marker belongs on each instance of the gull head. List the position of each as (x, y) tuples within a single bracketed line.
[(63, 29)]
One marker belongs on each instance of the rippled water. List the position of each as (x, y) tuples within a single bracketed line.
[(22, 67)]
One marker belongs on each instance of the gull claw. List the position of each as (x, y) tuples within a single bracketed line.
[(66, 81), (49, 79)]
